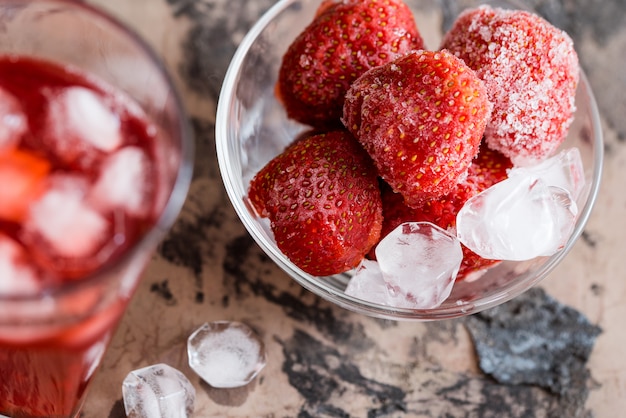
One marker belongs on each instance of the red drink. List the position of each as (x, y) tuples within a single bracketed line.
[(78, 188), (48, 376)]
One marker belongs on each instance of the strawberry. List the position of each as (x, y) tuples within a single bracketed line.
[(322, 198), (421, 118), (531, 71), (22, 175), (487, 169), (345, 39)]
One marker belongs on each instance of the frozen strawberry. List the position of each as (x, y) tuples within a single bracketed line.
[(473, 263), (421, 118), (489, 168), (345, 39), (531, 71), (22, 176), (322, 198)]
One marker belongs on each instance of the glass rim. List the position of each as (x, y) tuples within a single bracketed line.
[(177, 195), (317, 285)]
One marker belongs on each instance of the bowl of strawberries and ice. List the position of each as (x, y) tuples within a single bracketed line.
[(407, 160)]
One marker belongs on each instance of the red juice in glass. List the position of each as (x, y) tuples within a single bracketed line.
[(95, 163), (77, 163)]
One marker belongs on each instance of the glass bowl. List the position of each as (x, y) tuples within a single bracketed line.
[(252, 128)]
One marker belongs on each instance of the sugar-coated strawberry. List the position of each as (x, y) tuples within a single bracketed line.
[(473, 263), (421, 118), (531, 71), (487, 169), (345, 39), (322, 198), (258, 190)]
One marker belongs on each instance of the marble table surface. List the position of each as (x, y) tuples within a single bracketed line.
[(324, 361)]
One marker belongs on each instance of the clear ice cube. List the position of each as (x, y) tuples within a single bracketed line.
[(17, 277), (226, 354), (78, 112), (368, 284), (123, 182), (158, 391), (517, 219), (66, 222), (564, 170), (13, 122), (421, 261)]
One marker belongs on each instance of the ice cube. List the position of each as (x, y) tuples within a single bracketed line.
[(17, 276), (13, 121), (564, 170), (421, 261), (517, 219), (79, 128), (369, 284), (123, 182), (81, 113), (226, 354), (65, 221), (158, 391)]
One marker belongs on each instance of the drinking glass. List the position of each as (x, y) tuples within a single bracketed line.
[(51, 343)]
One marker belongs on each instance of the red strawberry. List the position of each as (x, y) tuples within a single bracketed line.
[(489, 168), (530, 69), (322, 198), (258, 191), (345, 39), (22, 175), (421, 118)]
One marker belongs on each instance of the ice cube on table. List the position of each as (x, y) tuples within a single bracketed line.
[(226, 354), (124, 182), (421, 261), (80, 126), (17, 276), (158, 391), (13, 121), (65, 221), (517, 219), (564, 170)]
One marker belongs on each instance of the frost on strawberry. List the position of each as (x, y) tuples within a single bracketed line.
[(421, 118), (531, 72), (322, 198), (345, 39)]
